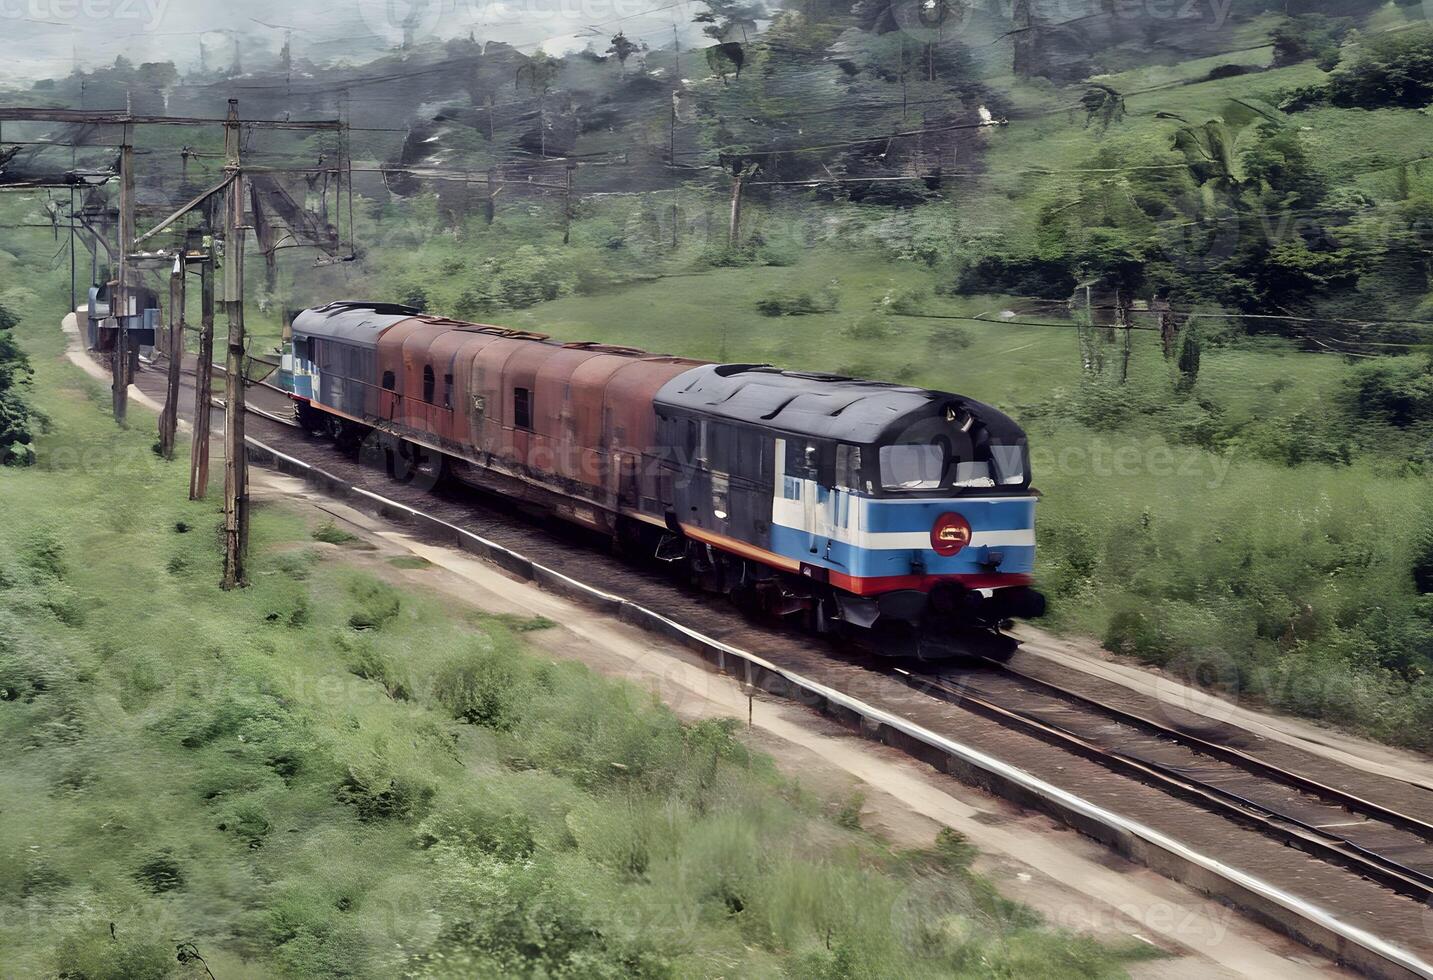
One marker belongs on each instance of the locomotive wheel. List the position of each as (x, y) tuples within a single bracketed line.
[(402, 460)]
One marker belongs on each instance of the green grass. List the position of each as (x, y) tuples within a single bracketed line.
[(249, 777)]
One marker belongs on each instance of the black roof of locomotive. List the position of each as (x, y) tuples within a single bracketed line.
[(351, 321), (825, 406)]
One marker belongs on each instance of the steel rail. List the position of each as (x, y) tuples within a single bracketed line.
[(1304, 836), (1237, 757)]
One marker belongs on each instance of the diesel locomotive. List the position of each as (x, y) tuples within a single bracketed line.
[(900, 514)]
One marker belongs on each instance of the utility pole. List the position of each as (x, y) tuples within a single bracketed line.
[(169, 418), (1168, 328), (490, 206), (672, 158), (734, 231), (567, 204), (236, 475), (1122, 320), (120, 299), (203, 380)]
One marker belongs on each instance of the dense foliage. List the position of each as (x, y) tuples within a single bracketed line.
[(18, 420)]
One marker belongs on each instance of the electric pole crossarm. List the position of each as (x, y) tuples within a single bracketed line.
[(216, 189)]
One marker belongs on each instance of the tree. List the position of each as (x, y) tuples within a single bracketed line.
[(730, 23), (540, 70), (1103, 104), (1310, 37), (622, 49), (1189, 353), (17, 418), (1214, 149), (1390, 70)]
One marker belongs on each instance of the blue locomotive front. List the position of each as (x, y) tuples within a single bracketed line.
[(877, 506)]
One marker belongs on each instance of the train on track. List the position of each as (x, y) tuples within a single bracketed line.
[(900, 514)]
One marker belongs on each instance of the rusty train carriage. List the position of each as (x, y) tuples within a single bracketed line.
[(561, 425)]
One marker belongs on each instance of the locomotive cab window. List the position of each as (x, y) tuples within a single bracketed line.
[(1010, 464), (848, 467), (522, 408), (912, 467)]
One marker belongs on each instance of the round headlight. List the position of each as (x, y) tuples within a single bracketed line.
[(950, 533)]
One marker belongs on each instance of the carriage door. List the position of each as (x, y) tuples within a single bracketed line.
[(799, 508)]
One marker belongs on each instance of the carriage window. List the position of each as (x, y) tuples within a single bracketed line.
[(522, 408), (447, 391), (912, 467), (388, 380), (848, 467), (428, 384)]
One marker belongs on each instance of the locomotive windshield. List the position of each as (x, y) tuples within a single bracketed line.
[(910, 467), (932, 466)]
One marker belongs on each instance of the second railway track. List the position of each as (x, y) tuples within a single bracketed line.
[(1382, 844)]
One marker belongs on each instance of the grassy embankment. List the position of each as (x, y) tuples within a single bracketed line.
[(323, 775)]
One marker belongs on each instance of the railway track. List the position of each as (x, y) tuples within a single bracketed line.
[(1223, 819), (1374, 841)]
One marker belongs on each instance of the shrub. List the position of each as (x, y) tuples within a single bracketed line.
[(1423, 555), (160, 874), (1310, 37), (377, 793), (482, 687), (1394, 69), (482, 827), (378, 604), (799, 303), (331, 533), (1395, 391), (849, 814), (96, 953), (947, 337), (903, 301), (365, 661), (1020, 275)]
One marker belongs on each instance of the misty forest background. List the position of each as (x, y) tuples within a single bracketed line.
[(967, 196)]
